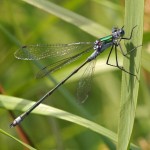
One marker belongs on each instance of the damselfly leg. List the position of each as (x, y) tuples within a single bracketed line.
[(117, 44)]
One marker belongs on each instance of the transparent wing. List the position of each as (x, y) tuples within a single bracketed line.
[(84, 85), (35, 52), (58, 65)]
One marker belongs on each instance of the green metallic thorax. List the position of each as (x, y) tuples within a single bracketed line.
[(106, 39)]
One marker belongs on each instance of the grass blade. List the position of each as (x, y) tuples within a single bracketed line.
[(81, 22), (13, 103), (22, 104), (26, 145), (129, 92)]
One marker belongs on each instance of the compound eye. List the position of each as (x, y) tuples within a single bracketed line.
[(114, 29), (122, 32)]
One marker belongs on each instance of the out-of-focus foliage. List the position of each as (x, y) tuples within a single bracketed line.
[(21, 23)]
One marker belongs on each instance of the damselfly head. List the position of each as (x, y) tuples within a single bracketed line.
[(118, 33)]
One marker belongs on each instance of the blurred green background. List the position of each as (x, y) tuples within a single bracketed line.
[(23, 24)]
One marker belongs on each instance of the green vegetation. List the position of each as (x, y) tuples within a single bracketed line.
[(117, 109)]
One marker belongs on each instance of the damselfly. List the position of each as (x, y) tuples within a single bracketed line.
[(35, 52)]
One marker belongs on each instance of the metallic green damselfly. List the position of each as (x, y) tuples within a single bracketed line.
[(64, 51)]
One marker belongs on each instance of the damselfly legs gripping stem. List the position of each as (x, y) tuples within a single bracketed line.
[(64, 51)]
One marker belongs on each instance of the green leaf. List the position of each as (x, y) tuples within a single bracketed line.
[(129, 92), (13, 103), (81, 22), (23, 105), (26, 145)]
